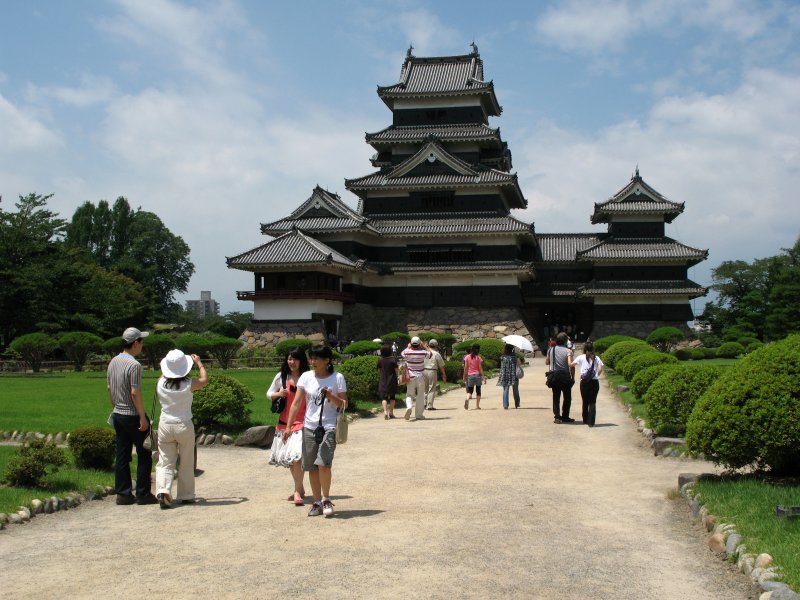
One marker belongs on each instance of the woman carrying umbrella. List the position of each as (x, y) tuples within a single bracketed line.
[(508, 375)]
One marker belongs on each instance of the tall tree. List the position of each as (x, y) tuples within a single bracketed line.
[(29, 243), (137, 244)]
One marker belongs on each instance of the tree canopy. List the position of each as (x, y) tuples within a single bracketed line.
[(759, 299)]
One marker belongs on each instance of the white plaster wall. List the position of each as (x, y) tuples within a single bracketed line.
[(282, 310)]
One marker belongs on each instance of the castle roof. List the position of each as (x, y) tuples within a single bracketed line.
[(442, 76), (685, 288), (469, 132), (292, 249), (637, 198), (637, 250)]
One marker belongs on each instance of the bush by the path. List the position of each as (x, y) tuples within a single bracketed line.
[(751, 415), (664, 339), (362, 378), (730, 350), (672, 396), (642, 381), (222, 402), (604, 343), (491, 349), (620, 350), (362, 348), (32, 462), (636, 361), (454, 370), (93, 447), (283, 348)]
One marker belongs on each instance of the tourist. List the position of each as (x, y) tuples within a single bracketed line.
[(324, 392), (591, 367), (124, 379), (508, 375), (175, 391), (473, 375), (415, 356), (432, 364), (388, 373), (283, 390), (558, 359)]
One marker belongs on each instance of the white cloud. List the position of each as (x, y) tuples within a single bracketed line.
[(732, 159), (90, 91), (21, 132), (428, 33)]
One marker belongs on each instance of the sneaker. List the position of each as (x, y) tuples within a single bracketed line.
[(413, 419), (125, 499), (164, 500), (316, 510), (407, 416), (148, 499), (557, 420), (327, 508), (567, 420)]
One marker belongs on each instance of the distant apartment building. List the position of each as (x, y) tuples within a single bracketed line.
[(204, 307)]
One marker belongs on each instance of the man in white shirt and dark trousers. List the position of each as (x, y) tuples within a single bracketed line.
[(415, 356), (432, 364)]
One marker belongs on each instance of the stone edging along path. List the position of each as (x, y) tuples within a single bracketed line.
[(724, 540)]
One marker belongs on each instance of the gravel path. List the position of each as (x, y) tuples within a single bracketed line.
[(466, 504)]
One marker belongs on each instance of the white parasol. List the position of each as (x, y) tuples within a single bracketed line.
[(519, 342)]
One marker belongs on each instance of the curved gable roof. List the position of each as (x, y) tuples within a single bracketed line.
[(637, 198)]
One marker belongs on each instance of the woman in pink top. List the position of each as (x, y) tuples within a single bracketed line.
[(473, 375), (289, 453)]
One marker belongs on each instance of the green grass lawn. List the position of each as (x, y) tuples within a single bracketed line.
[(749, 503), (66, 401), (65, 480)]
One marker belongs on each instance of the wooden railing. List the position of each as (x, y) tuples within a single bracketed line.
[(297, 295)]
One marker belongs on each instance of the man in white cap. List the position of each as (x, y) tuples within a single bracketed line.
[(432, 364), (415, 356), (130, 421)]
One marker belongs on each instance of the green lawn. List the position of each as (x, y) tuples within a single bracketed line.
[(66, 401), (67, 479), (750, 503)]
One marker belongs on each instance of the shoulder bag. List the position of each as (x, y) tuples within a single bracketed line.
[(341, 426)]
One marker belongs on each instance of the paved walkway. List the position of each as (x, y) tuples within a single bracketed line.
[(466, 504)]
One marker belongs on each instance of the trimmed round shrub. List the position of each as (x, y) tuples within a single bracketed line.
[(283, 348), (751, 415), (362, 378), (362, 348), (620, 350), (709, 352), (113, 345), (604, 343), (401, 337), (664, 338), (93, 447), (156, 346), (34, 348), (78, 345), (491, 349), (190, 343), (642, 381), (672, 396), (746, 341), (33, 461), (699, 353), (683, 354), (753, 346), (223, 402), (454, 370), (730, 350), (224, 349), (636, 361)]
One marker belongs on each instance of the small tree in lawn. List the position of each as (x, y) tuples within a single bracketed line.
[(224, 349), (34, 348), (664, 339), (78, 345), (156, 347)]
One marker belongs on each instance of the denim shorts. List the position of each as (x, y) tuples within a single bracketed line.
[(316, 455)]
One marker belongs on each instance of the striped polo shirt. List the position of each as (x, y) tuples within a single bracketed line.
[(124, 373), (415, 361)]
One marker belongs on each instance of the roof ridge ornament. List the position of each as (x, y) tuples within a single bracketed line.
[(409, 51), (474, 47)]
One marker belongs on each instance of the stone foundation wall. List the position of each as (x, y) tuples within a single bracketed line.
[(270, 334), (363, 322), (640, 329)]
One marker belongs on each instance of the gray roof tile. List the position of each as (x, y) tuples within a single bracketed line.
[(447, 133), (564, 247), (637, 288), (293, 248), (663, 250), (636, 198)]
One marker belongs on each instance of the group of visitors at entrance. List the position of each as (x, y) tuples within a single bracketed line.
[(310, 394)]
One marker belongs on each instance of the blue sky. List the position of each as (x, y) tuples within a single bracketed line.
[(218, 116)]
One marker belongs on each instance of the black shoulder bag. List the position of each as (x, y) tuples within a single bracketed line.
[(279, 403)]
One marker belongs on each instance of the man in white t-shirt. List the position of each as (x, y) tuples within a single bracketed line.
[(415, 356), (432, 364)]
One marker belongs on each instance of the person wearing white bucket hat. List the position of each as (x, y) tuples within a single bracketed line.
[(175, 429)]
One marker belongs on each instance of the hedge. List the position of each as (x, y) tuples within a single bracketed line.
[(620, 350), (491, 349), (222, 402), (751, 415), (642, 381), (283, 348), (730, 350), (362, 348), (671, 398), (604, 343), (362, 377), (636, 361)]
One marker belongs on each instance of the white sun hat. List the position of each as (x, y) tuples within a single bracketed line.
[(176, 364)]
